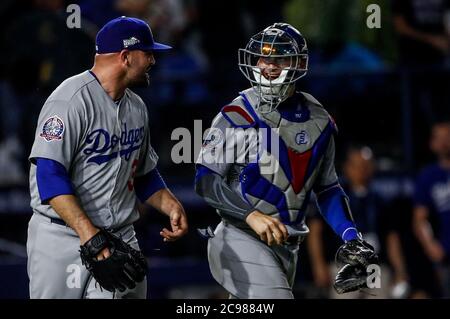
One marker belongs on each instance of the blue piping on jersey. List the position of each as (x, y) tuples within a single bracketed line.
[(93, 74), (283, 153), (319, 149), (252, 183), (320, 189), (302, 211)]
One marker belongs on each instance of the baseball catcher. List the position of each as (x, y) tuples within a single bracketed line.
[(285, 151)]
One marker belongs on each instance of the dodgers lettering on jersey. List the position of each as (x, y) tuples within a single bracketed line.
[(100, 141), (102, 145)]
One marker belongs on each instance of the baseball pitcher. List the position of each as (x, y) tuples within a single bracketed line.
[(90, 162)]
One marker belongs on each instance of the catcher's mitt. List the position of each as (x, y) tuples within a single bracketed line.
[(356, 255), (350, 278), (121, 270)]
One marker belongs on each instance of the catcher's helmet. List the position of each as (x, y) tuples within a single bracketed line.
[(278, 42)]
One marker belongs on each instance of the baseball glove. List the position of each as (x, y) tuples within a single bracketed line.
[(350, 278), (356, 255), (121, 270)]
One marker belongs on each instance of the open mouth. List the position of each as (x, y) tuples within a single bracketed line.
[(272, 76)]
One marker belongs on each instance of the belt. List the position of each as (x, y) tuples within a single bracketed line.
[(58, 221), (61, 222), (53, 220), (294, 240)]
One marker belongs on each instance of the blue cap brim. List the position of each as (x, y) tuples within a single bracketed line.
[(160, 46)]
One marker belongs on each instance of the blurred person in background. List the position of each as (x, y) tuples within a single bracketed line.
[(183, 71), (413, 275), (423, 37), (431, 221), (343, 49), (421, 28), (167, 16), (37, 52), (366, 206)]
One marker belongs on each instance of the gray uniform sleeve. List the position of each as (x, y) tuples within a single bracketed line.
[(217, 145), (218, 154), (59, 131), (327, 171), (218, 194)]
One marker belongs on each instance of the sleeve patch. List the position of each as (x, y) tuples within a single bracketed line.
[(53, 129), (214, 137)]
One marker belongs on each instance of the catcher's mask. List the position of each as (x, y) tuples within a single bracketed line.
[(281, 47)]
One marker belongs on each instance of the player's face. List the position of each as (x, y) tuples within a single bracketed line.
[(271, 67), (140, 63), (440, 140)]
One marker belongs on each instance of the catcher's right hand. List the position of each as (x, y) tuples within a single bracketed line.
[(356, 255), (121, 270)]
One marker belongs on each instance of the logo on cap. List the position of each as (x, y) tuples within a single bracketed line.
[(130, 41)]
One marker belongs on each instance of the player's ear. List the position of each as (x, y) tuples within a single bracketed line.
[(125, 57)]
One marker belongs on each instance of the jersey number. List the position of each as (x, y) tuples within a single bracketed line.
[(133, 173)]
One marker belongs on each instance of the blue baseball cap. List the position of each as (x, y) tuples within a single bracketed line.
[(126, 33)]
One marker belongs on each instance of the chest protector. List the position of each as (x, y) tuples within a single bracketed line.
[(291, 149)]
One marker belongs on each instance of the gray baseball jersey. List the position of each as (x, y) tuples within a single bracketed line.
[(100, 143), (103, 145)]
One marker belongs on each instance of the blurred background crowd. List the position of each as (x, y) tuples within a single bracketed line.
[(387, 88)]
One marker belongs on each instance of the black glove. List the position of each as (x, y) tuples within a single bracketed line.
[(356, 255), (350, 278), (121, 270), (357, 252)]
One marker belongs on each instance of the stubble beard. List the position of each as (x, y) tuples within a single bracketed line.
[(141, 82)]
